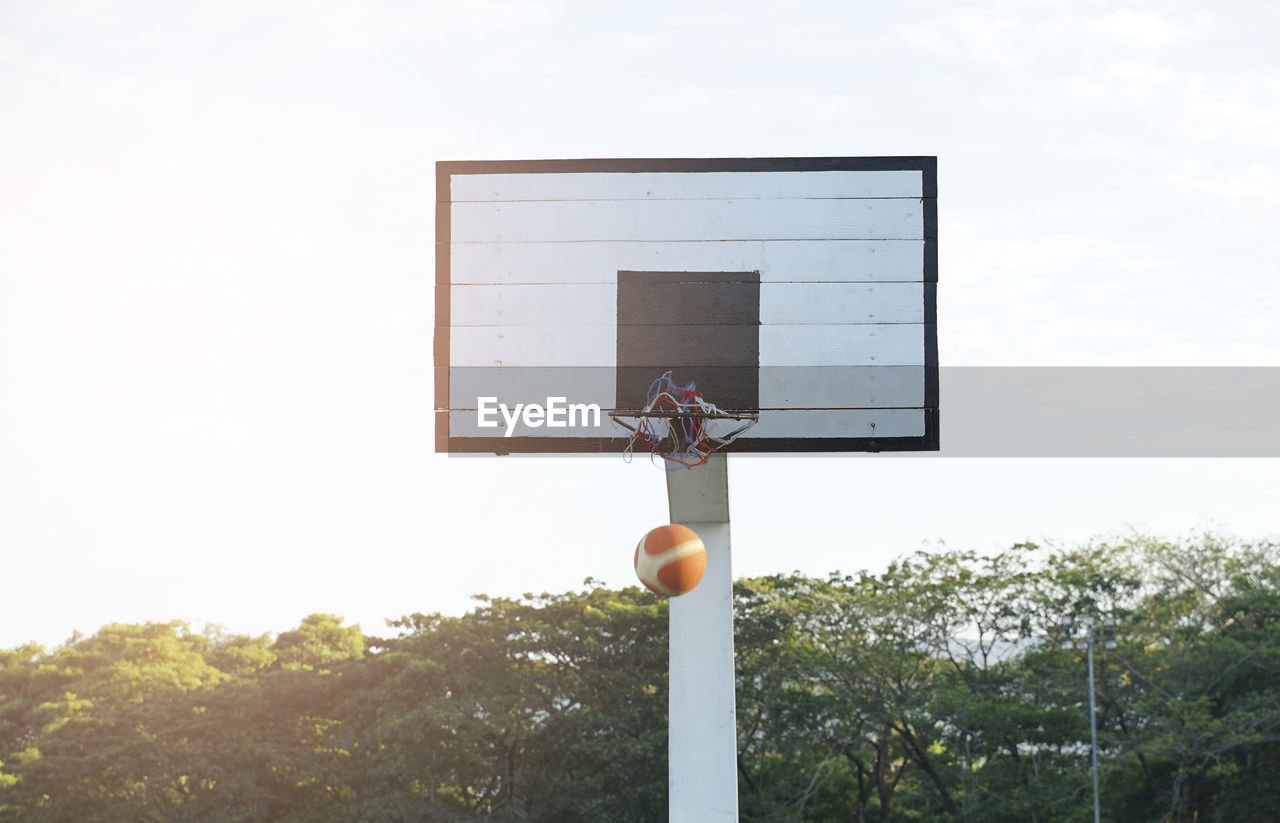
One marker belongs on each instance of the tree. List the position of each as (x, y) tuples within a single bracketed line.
[(853, 665), (1193, 701), (934, 691), (136, 723), (95, 728), (546, 708)]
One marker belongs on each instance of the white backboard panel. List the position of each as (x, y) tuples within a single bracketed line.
[(801, 288)]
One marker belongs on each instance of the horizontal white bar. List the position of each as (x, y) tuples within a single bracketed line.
[(776, 260), (822, 387), (591, 345), (532, 385), (685, 185), (890, 345), (519, 304), (882, 423), (836, 303), (596, 345), (588, 303), (780, 387), (645, 220)]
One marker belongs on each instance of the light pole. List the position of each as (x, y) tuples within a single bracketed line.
[(1107, 634)]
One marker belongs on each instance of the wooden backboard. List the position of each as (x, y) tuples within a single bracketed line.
[(803, 289)]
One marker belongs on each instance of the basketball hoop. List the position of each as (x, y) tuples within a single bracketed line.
[(680, 426)]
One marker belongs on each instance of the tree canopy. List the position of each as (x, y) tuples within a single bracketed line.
[(937, 690)]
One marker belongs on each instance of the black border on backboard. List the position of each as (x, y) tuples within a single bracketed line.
[(445, 169)]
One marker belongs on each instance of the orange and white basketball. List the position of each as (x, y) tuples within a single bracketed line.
[(670, 560)]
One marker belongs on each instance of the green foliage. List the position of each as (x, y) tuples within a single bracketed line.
[(935, 691)]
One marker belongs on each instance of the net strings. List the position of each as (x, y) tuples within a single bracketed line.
[(684, 439)]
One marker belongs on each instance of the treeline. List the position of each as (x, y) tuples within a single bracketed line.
[(937, 691)]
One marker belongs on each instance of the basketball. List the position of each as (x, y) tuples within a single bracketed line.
[(670, 560)]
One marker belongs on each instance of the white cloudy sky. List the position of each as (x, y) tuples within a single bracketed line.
[(216, 278)]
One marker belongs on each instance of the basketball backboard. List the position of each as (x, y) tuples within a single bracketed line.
[(799, 289)]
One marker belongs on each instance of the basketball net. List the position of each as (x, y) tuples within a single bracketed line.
[(680, 426)]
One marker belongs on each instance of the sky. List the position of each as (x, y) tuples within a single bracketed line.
[(216, 280)]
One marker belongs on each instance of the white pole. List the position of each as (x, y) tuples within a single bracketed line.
[(1093, 734), (703, 746)]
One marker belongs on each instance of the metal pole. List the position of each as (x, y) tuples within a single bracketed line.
[(702, 755), (1093, 732)]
